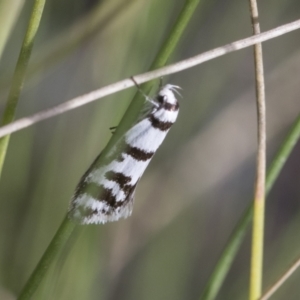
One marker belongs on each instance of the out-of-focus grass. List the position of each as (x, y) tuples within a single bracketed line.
[(191, 194), (9, 12), (56, 49), (19, 74)]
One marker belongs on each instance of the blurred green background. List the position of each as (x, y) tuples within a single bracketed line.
[(200, 180)]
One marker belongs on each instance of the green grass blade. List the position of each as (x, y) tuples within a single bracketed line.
[(57, 243), (223, 265), (19, 74)]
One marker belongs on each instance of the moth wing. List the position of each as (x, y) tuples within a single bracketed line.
[(83, 177), (83, 212)]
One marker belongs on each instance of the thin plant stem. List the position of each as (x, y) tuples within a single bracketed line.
[(9, 12), (141, 78), (281, 280), (19, 74), (235, 240), (59, 240), (67, 225), (259, 188)]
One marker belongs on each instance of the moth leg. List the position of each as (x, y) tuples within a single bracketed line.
[(139, 88), (113, 129), (160, 83), (142, 92)]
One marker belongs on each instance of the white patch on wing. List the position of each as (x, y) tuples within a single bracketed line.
[(166, 115), (115, 189), (145, 137), (167, 91), (129, 167), (134, 168), (87, 201), (100, 218)]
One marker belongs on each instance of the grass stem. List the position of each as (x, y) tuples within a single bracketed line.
[(19, 74), (259, 188)]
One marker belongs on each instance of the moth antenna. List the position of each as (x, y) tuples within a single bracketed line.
[(175, 88), (142, 92), (177, 92)]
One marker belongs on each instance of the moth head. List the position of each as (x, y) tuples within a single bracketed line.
[(166, 97)]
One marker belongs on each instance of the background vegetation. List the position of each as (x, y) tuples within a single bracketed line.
[(199, 182)]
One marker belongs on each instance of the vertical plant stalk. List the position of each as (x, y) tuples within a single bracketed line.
[(58, 241), (19, 74), (259, 189), (67, 225)]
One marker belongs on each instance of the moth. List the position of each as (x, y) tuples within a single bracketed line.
[(105, 193)]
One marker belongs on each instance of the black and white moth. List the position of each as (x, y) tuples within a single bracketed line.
[(105, 193)]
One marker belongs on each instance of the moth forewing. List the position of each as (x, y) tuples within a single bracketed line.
[(105, 193)]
